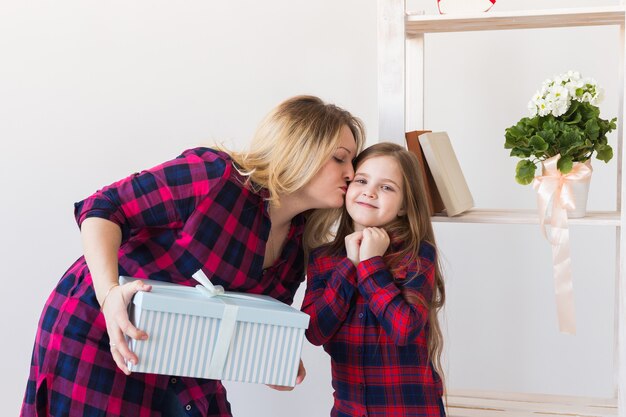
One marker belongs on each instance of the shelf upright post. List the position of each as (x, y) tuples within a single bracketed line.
[(620, 305), (415, 73), (391, 67)]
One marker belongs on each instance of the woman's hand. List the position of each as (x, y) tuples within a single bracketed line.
[(299, 379), (353, 243), (375, 243), (115, 311)]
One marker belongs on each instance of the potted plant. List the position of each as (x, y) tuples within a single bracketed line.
[(565, 121), (563, 131)]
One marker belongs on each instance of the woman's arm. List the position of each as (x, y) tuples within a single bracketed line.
[(101, 241), (330, 289), (402, 321), (163, 197)]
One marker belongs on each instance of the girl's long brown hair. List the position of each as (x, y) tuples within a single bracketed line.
[(407, 233)]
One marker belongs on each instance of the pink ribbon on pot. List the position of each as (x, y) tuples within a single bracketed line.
[(554, 194)]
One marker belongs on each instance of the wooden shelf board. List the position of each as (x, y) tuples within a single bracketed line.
[(466, 403), (504, 216), (535, 19)]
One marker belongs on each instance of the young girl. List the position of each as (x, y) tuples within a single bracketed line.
[(374, 292)]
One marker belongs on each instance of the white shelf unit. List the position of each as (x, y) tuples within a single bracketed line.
[(401, 109)]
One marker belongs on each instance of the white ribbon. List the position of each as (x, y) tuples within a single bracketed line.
[(227, 325)]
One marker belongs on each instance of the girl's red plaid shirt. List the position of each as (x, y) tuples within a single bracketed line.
[(376, 340)]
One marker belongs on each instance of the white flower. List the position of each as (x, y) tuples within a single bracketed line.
[(573, 75), (558, 100), (573, 86), (556, 95), (542, 108), (586, 97), (598, 97)]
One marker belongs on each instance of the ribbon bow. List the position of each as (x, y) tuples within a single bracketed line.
[(555, 195), (206, 287)]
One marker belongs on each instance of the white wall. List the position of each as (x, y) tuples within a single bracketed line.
[(92, 91)]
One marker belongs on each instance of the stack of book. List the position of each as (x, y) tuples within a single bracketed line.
[(446, 189)]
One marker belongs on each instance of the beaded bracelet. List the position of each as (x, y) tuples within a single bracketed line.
[(107, 294)]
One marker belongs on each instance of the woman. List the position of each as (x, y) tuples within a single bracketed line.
[(240, 217)]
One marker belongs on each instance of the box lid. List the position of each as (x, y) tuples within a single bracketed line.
[(253, 308)]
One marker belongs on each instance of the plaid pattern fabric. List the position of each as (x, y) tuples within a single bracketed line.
[(376, 340), (189, 213)]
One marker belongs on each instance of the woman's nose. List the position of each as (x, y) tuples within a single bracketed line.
[(349, 175)]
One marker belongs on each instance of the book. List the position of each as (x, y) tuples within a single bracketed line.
[(435, 204), (447, 173)]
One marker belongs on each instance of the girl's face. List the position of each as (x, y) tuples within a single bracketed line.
[(328, 188), (375, 196)]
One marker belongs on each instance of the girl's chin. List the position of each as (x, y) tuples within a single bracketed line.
[(358, 227)]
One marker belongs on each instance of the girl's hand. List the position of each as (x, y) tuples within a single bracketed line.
[(299, 379), (353, 244), (115, 311), (375, 243)]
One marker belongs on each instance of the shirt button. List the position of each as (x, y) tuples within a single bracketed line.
[(359, 349), (173, 380), (360, 315), (361, 387), (188, 407)]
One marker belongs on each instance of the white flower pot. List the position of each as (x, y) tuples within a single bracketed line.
[(580, 191)]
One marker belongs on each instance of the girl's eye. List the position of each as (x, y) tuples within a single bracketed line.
[(360, 181), (387, 188)]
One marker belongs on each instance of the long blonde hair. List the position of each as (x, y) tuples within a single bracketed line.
[(290, 146), (407, 233)]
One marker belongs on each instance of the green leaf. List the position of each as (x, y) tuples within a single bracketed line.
[(548, 136), (521, 152), (525, 172), (592, 129), (604, 153), (573, 119), (565, 164), (538, 144)]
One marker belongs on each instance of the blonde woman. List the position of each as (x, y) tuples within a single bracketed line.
[(240, 217)]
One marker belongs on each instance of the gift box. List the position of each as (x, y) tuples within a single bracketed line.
[(228, 336)]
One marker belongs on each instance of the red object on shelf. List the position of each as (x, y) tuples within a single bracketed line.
[(464, 6)]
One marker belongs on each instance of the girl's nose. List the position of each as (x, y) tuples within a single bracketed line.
[(368, 194)]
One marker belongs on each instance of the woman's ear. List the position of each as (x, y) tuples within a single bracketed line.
[(402, 212)]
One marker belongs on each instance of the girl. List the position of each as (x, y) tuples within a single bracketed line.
[(374, 292), (237, 216)]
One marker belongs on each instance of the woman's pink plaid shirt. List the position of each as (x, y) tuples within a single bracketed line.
[(189, 213)]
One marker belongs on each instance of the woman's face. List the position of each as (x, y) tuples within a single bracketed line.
[(328, 187), (375, 196)]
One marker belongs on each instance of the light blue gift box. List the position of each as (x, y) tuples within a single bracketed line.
[(229, 336)]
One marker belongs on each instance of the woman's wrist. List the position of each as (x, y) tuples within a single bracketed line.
[(107, 293)]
